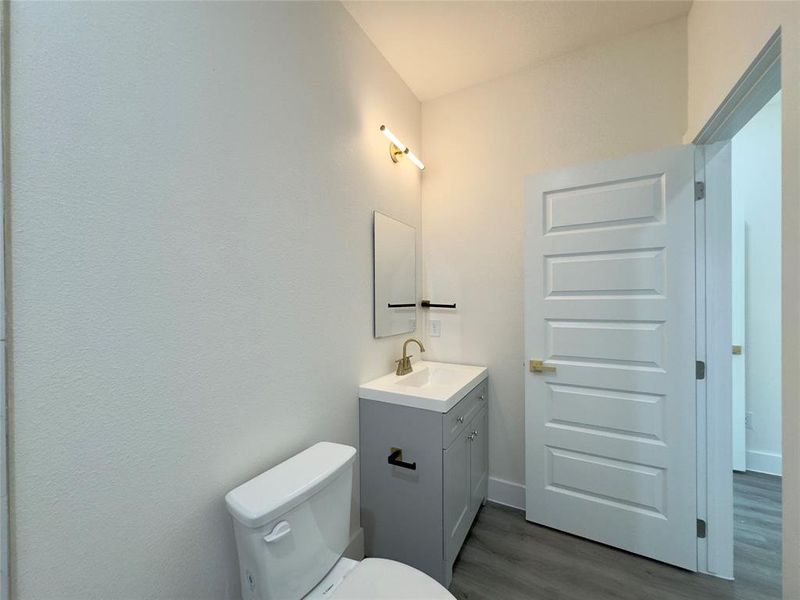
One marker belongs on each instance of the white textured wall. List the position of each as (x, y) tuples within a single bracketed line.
[(724, 38), (599, 103), (756, 187), (192, 187)]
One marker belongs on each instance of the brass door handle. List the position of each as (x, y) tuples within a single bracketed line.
[(538, 366), (737, 350)]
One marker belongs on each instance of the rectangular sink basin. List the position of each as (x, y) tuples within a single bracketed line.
[(431, 386)]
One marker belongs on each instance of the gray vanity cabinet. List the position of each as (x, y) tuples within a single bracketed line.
[(421, 515)]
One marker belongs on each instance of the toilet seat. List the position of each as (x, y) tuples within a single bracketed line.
[(381, 579), (378, 579)]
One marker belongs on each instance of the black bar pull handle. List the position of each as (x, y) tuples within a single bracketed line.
[(396, 459), (402, 305), (429, 304)]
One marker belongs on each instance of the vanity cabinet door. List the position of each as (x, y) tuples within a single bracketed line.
[(457, 489), (479, 458)]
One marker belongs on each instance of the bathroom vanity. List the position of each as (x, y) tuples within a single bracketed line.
[(424, 463)]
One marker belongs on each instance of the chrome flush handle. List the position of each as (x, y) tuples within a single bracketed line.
[(280, 530)]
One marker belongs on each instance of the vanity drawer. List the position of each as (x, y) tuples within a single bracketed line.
[(457, 418)]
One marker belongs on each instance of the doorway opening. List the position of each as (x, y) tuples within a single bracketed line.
[(756, 344)]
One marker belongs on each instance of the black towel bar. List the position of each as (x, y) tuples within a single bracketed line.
[(429, 304), (396, 459), (402, 305)]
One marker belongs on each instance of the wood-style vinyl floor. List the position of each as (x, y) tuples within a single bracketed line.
[(507, 558)]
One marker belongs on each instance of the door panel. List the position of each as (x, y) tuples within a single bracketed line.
[(637, 273), (620, 342), (607, 481), (479, 459), (639, 200), (609, 302), (622, 414), (456, 493)]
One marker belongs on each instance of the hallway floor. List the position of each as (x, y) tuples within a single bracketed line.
[(507, 557)]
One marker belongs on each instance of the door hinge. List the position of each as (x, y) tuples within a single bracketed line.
[(701, 528), (700, 369), (699, 190)]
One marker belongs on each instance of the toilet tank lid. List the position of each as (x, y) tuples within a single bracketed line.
[(286, 485)]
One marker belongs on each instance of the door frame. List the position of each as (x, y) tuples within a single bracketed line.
[(738, 328), (755, 88), (5, 361)]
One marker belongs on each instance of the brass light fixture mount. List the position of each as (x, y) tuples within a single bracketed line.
[(394, 152), (398, 149)]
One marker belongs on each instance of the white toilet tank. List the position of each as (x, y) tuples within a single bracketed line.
[(292, 523)]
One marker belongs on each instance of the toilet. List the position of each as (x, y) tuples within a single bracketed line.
[(292, 525)]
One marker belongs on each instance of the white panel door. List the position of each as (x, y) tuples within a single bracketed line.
[(610, 440)]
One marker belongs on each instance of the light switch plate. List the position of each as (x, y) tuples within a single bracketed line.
[(435, 328)]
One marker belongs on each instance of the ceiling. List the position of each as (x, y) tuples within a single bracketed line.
[(439, 47)]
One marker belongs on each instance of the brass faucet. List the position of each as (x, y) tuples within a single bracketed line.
[(404, 364)]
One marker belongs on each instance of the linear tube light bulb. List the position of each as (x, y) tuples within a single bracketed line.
[(393, 138), (398, 149), (413, 158)]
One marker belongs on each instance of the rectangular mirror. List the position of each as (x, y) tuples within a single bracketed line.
[(395, 246)]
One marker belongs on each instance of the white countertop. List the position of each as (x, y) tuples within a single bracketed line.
[(431, 386)]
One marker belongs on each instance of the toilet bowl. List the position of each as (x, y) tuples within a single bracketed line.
[(292, 526)]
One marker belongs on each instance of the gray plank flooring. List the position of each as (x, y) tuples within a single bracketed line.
[(505, 557)]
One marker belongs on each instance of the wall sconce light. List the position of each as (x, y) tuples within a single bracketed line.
[(398, 149)]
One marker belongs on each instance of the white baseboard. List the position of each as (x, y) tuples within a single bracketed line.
[(507, 493), (764, 462)]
